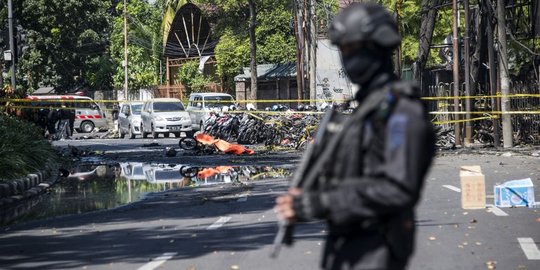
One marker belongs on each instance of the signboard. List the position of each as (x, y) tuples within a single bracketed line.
[(332, 83)]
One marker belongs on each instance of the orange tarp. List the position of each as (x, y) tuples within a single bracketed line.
[(204, 173), (224, 146)]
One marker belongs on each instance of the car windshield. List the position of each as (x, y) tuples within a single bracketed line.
[(218, 101), (168, 106), (136, 108)]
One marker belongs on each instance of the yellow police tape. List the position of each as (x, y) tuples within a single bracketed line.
[(462, 121), (276, 100), (15, 104), (480, 97)]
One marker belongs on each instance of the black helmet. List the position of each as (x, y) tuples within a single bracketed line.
[(366, 34), (366, 23)]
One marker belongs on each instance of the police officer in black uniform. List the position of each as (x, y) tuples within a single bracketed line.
[(374, 178)]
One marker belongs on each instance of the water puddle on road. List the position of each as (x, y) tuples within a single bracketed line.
[(92, 187)]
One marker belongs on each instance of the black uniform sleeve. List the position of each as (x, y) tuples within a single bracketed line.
[(396, 184)]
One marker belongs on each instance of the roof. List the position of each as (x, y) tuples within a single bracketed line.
[(130, 102), (57, 97), (187, 33), (44, 91), (269, 72), (164, 99), (210, 94)]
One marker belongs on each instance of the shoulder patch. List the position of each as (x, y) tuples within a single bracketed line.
[(397, 130)]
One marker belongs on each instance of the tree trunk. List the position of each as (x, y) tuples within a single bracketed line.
[(429, 16), (253, 49)]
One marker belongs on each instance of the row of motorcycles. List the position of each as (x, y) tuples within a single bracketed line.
[(290, 129)]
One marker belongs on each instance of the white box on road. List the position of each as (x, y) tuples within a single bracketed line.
[(515, 193)]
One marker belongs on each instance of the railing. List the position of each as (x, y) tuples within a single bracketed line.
[(524, 110)]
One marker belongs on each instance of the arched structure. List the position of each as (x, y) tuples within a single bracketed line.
[(186, 36)]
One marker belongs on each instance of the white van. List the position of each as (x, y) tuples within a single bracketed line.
[(165, 116), (88, 114), (200, 105)]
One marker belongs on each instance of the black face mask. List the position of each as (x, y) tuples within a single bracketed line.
[(361, 65)]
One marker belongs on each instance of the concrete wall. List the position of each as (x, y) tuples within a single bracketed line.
[(332, 82)]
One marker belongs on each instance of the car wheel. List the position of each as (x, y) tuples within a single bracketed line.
[(131, 134), (166, 135), (120, 133), (87, 126), (155, 135), (187, 143), (144, 134), (177, 134)]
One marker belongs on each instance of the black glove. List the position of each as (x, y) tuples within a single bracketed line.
[(309, 205)]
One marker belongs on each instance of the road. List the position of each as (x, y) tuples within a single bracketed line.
[(232, 226)]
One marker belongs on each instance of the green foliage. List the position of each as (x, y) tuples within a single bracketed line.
[(232, 53), (143, 45), (189, 76), (275, 39), (22, 148), (66, 40)]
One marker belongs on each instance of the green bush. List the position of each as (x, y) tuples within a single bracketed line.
[(23, 149)]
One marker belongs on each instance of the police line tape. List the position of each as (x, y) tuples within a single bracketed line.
[(481, 97), (276, 100), (283, 112), (463, 120)]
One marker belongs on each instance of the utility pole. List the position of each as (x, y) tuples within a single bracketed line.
[(125, 53), (492, 72), (397, 65), (312, 54), (11, 46), (299, 51), (467, 75), (253, 50), (455, 55), (503, 69), (299, 48)]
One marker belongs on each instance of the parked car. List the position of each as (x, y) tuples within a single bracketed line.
[(201, 104), (165, 116), (88, 114), (129, 119)]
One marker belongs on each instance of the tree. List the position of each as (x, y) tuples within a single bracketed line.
[(191, 78), (272, 42), (62, 51), (144, 44)]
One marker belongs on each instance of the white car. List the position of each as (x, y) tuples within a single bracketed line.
[(165, 116), (200, 105), (129, 119)]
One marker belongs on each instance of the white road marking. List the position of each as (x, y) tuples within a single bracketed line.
[(242, 199), (157, 261), (218, 223), (496, 210), (452, 188), (530, 248)]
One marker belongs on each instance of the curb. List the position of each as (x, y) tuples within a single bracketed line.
[(14, 191)]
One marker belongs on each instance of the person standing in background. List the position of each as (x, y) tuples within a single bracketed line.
[(370, 184)]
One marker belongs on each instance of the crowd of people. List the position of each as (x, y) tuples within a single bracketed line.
[(57, 123)]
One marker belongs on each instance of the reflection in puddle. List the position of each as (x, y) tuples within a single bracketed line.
[(91, 187)]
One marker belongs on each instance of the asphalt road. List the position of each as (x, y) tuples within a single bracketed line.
[(232, 226)]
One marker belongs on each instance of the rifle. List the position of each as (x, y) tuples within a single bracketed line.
[(311, 163), (285, 231)]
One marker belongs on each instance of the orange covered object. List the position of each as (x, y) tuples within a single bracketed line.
[(224, 146), (207, 172), (205, 139)]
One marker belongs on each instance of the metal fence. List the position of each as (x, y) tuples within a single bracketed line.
[(485, 111)]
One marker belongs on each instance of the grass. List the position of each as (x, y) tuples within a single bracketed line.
[(23, 149)]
